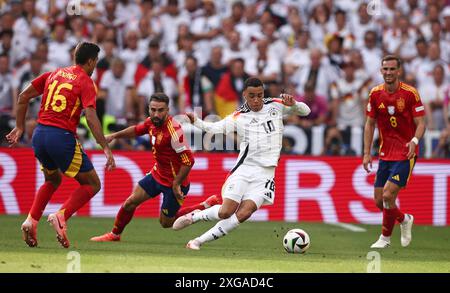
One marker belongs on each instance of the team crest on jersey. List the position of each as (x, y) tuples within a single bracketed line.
[(401, 104), (273, 112), (391, 110), (159, 138)]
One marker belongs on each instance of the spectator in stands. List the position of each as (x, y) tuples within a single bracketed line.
[(234, 49), (156, 80), (59, 47), (195, 91), (228, 94), (433, 95), (214, 69), (317, 73), (262, 64), (115, 92), (7, 100)]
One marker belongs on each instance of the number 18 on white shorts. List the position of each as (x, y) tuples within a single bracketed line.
[(251, 182)]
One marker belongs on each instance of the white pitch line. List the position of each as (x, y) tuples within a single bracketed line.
[(350, 227)]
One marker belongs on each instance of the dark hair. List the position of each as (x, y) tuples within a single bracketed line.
[(253, 82), (85, 51), (6, 32), (160, 97), (392, 57)]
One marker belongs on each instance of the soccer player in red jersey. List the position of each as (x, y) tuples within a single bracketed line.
[(169, 175), (399, 114), (65, 92)]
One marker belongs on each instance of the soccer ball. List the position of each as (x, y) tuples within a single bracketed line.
[(296, 241)]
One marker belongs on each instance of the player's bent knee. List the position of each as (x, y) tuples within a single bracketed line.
[(243, 216), (225, 214)]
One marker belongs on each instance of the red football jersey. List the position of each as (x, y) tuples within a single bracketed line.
[(394, 113), (66, 91), (169, 149)]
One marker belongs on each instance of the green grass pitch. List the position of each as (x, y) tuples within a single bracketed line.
[(253, 247)]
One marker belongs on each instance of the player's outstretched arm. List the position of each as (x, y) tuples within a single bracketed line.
[(22, 105), (369, 129), (96, 129), (298, 108), (129, 132), (223, 126)]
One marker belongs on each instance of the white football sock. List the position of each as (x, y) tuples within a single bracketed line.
[(209, 214), (221, 229), (385, 238)]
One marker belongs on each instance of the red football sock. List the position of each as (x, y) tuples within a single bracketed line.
[(77, 199), (122, 219), (389, 217), (186, 210), (400, 215), (41, 200)]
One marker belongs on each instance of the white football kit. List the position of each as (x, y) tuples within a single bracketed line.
[(260, 135)]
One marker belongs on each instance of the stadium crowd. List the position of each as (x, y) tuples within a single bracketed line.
[(199, 52)]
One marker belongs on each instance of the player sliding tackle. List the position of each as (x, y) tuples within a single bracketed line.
[(169, 175), (250, 184), (397, 110)]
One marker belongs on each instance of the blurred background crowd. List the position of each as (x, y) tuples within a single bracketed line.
[(199, 52)]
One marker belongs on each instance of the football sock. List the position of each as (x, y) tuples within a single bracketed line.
[(41, 200), (221, 229), (209, 214), (77, 199), (122, 219), (389, 217), (186, 210), (400, 215)]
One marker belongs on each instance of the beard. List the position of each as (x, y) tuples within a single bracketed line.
[(157, 122)]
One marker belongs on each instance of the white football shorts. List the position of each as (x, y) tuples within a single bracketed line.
[(251, 182)]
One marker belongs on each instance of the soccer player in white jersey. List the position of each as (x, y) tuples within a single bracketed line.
[(250, 184)]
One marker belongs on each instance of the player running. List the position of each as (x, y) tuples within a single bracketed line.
[(398, 111), (65, 93), (169, 175), (250, 184)]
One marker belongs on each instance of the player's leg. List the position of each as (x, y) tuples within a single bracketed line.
[(45, 192), (225, 226), (43, 196), (214, 213), (207, 203), (380, 182), (147, 188), (74, 163), (399, 173), (232, 191), (378, 197), (403, 170), (124, 216)]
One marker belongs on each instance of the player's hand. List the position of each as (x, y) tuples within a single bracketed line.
[(411, 150), (288, 100), (191, 117), (109, 138), (110, 162), (176, 188), (14, 136), (367, 163)]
